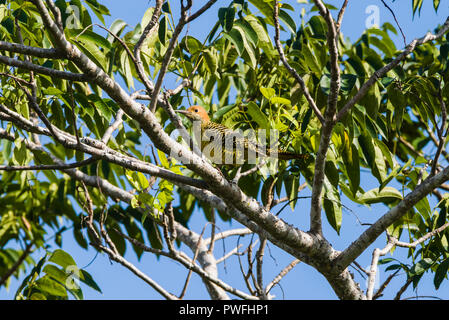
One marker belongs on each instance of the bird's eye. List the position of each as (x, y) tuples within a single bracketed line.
[(196, 110)]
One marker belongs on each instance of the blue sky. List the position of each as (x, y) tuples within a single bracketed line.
[(301, 283)]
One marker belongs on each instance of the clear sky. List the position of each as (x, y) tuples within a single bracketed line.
[(301, 283)]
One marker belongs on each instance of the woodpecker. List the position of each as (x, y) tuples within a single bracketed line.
[(233, 146)]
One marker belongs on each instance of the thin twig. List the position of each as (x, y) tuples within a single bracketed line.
[(281, 274), (169, 53), (442, 133), (259, 259), (292, 71), (378, 293), (421, 239), (396, 20), (340, 16), (403, 288), (50, 166), (17, 264)]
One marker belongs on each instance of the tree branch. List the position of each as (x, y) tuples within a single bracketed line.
[(373, 269), (371, 234), (292, 71), (382, 71), (32, 51), (44, 70)]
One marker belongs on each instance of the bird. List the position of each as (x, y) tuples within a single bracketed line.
[(235, 148)]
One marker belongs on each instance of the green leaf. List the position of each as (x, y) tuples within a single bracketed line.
[(86, 278), (50, 286), (211, 61), (102, 107), (268, 93), (192, 44), (126, 69), (421, 267), (291, 188), (386, 195), (55, 273), (147, 17), (436, 4), (311, 59), (142, 180), (226, 18), (394, 173), (332, 205), (250, 33), (257, 115), (289, 22), (416, 4), (262, 34), (347, 83), (162, 31), (351, 160), (222, 111), (441, 273), (235, 37), (20, 152), (62, 258), (248, 47), (325, 83), (90, 43), (318, 26), (280, 100), (98, 9)]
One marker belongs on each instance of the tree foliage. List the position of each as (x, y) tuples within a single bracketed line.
[(75, 144)]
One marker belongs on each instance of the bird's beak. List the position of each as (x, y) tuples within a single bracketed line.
[(182, 111)]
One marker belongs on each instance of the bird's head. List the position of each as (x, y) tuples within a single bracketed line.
[(196, 113)]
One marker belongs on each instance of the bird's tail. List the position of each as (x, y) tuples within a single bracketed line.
[(286, 155)]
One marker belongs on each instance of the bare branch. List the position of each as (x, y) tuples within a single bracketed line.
[(169, 53), (32, 51), (259, 260), (114, 126), (396, 20), (201, 10), (421, 239), (240, 174), (403, 288), (442, 133), (149, 29), (281, 274), (378, 293), (228, 233), (234, 251), (50, 166), (137, 272), (56, 13), (43, 70), (329, 121), (373, 269), (340, 16)]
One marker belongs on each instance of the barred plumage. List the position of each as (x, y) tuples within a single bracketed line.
[(234, 147)]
